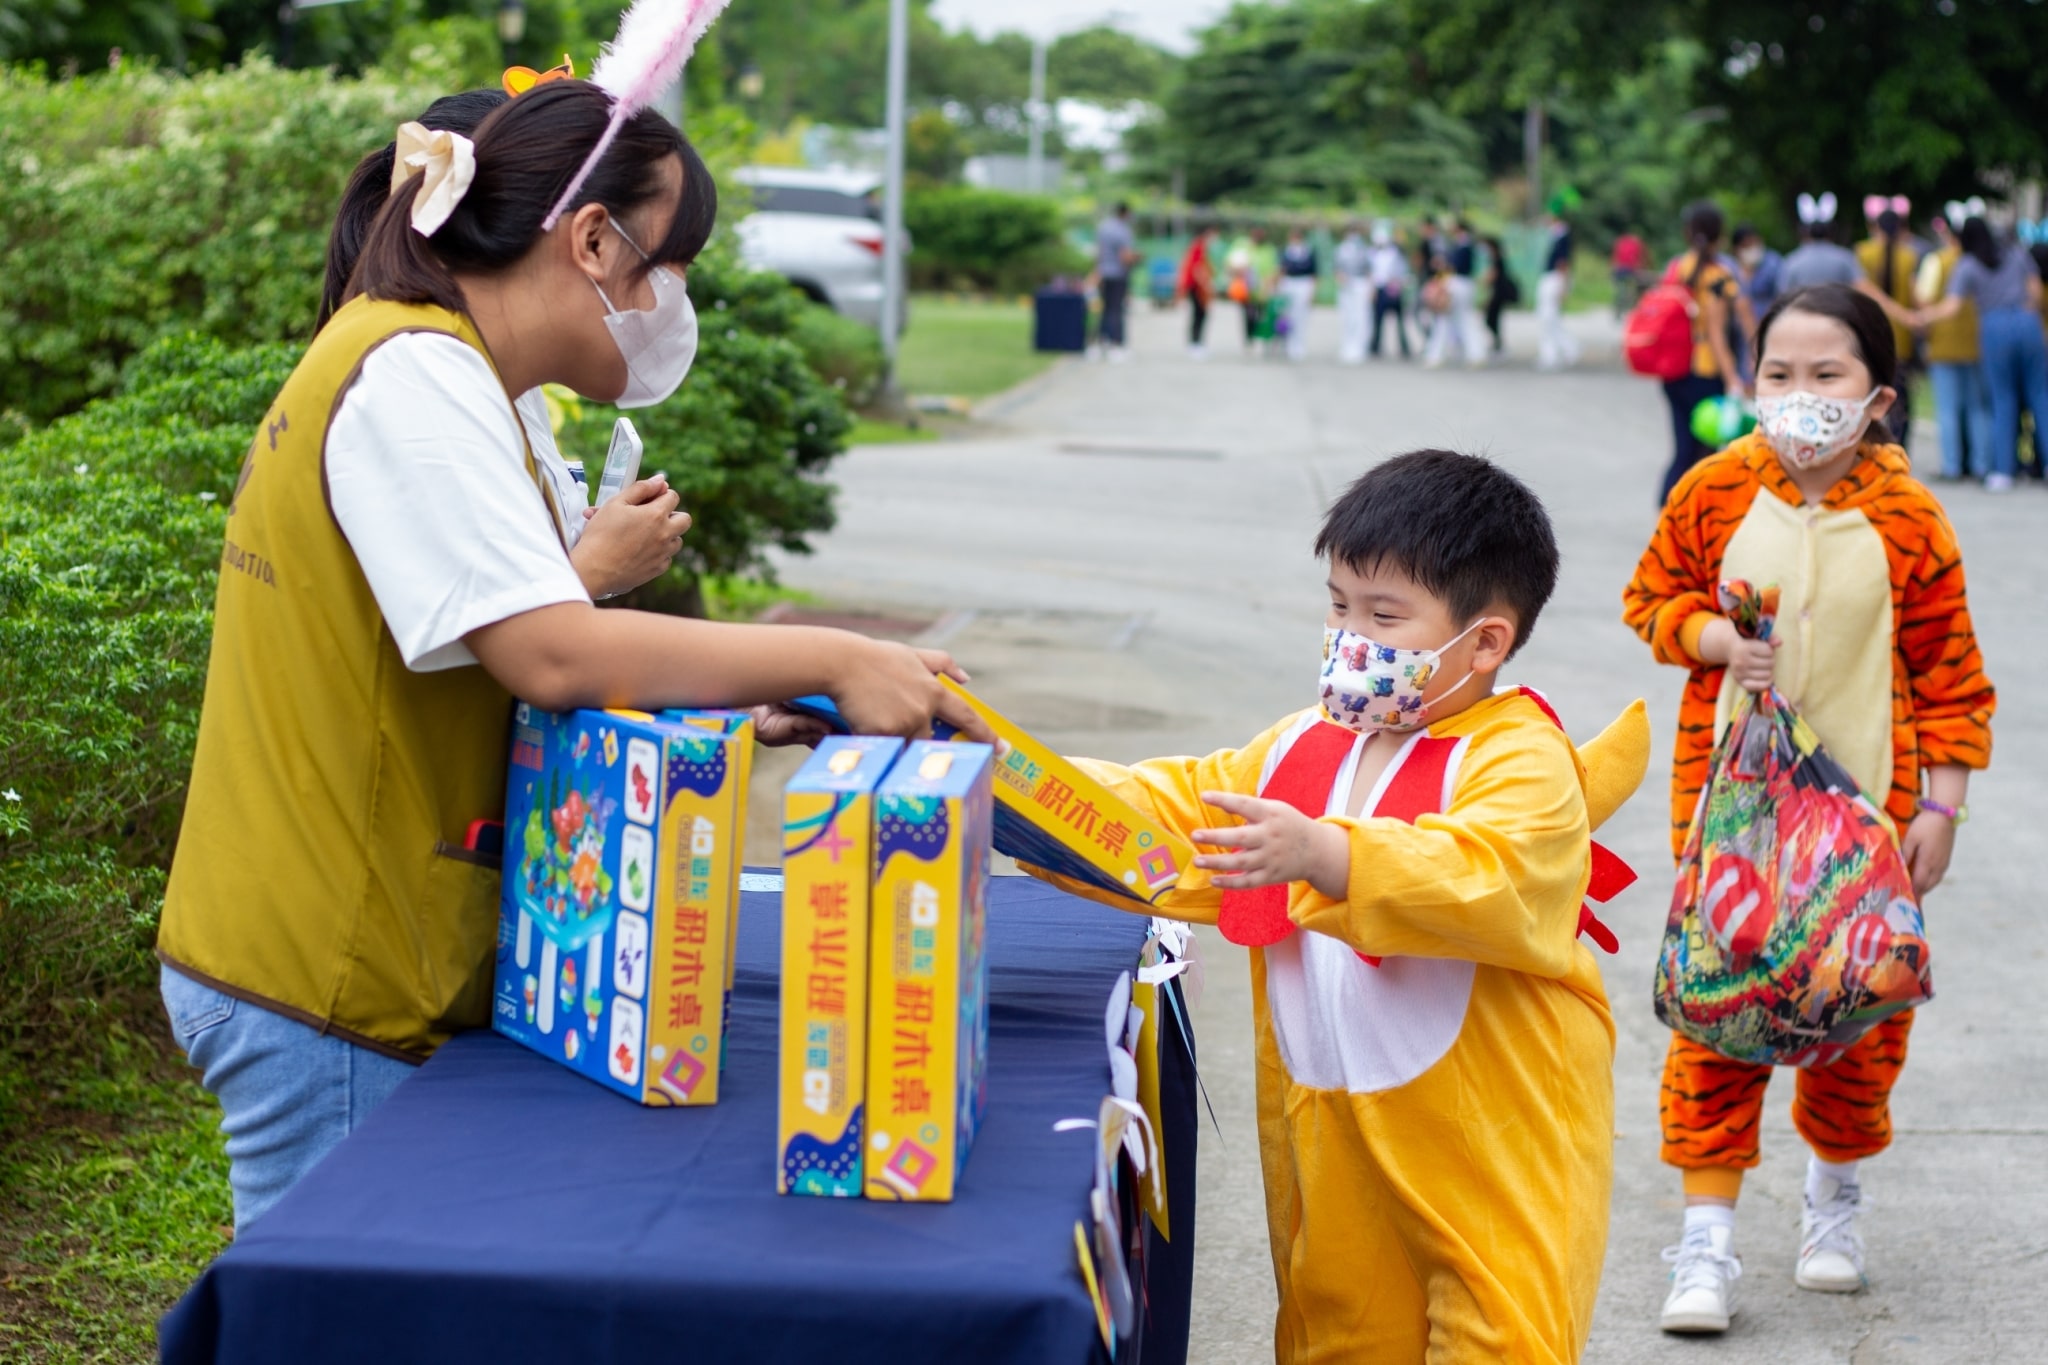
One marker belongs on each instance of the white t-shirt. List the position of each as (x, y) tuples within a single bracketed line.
[(1389, 266), (426, 474)]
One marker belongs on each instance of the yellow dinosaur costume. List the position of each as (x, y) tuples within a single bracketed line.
[(1437, 1130)]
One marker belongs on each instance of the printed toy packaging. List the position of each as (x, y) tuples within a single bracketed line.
[(621, 872), (1052, 815), (739, 725), (828, 865), (927, 1081)]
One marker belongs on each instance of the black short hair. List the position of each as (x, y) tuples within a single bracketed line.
[(1465, 529)]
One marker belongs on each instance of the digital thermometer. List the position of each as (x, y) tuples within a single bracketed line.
[(621, 463)]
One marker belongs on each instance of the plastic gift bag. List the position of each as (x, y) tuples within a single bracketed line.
[(1793, 927)]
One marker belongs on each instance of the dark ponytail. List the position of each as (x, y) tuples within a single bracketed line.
[(1979, 242), (526, 155), (371, 185), (1888, 227), (1703, 224), (1868, 327)]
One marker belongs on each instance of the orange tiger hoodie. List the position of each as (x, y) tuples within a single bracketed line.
[(1879, 654)]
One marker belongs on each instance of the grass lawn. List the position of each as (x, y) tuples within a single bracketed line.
[(967, 349), (113, 1197)]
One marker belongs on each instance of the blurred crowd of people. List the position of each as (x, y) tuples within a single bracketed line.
[(1964, 299)]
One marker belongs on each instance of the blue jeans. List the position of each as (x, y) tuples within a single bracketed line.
[(2016, 371), (1962, 408), (288, 1093)]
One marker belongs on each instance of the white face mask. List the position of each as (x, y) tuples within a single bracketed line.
[(1808, 429), (656, 343), (1368, 686)]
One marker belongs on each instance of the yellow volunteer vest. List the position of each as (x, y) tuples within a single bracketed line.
[(1953, 341), (1870, 255), (320, 871)]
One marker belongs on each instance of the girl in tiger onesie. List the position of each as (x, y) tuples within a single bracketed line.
[(1874, 647)]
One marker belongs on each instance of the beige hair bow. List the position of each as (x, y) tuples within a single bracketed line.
[(447, 160)]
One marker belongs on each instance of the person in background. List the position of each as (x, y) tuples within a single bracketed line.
[(2006, 287), (1818, 259), (1116, 252), (1389, 287), (1460, 324), (1889, 261), (1714, 370), (1298, 270), (1962, 402), (1556, 348), (1429, 272), (1758, 267), (1502, 290), (1197, 284), (1627, 262), (1262, 280), (1353, 263), (631, 539)]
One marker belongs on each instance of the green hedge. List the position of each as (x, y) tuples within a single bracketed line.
[(986, 240)]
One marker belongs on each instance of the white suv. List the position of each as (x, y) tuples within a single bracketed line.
[(822, 231)]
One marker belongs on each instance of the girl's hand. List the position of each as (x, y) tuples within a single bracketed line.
[(775, 725), (892, 689), (1753, 661), (1930, 841), (1275, 844), (630, 540)]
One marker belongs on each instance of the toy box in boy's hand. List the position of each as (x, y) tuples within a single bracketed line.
[(828, 864), (1053, 816), (621, 844), (927, 1080)]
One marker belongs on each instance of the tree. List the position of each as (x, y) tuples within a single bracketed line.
[(1106, 65), (1933, 100)]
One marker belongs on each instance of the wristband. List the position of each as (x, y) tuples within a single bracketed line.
[(1956, 814)]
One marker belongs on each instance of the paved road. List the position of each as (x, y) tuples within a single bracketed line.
[(1133, 540)]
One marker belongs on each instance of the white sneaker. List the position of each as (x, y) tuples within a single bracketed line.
[(1830, 1249), (1703, 1274), (1998, 483)]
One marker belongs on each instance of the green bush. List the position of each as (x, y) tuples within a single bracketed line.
[(985, 239), (844, 353), (135, 205)]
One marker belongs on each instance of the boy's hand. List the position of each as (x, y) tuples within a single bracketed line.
[(775, 725), (1276, 843)]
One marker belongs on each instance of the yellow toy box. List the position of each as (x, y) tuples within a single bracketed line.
[(1052, 815), (927, 1081), (622, 846), (828, 862), (740, 726)]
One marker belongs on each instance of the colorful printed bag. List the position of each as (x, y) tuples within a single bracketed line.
[(1793, 926)]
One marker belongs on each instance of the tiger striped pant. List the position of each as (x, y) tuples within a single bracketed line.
[(1711, 1107)]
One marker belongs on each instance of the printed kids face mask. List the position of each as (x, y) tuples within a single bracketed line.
[(656, 343), (1368, 686), (1807, 429)]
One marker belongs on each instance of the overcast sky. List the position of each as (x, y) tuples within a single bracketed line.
[(1166, 22)]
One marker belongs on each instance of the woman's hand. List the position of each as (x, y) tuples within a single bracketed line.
[(892, 689), (630, 540), (1276, 843), (1750, 662), (1929, 843)]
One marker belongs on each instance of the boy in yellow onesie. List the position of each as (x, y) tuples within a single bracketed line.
[(1411, 857)]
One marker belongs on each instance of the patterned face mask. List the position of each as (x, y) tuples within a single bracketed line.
[(1807, 429), (1368, 686)]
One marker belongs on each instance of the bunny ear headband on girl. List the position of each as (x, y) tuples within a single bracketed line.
[(1961, 211), (1874, 205), (1814, 211), (655, 38)]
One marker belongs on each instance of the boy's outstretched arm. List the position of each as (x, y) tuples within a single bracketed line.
[(1499, 878)]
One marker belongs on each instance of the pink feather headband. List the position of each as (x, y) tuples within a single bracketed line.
[(656, 37)]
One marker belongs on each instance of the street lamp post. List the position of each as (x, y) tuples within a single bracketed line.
[(1036, 161), (892, 181), (511, 27)]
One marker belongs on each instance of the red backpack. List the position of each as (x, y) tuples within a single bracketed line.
[(1658, 339)]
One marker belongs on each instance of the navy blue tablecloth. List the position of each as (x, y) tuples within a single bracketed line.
[(500, 1209)]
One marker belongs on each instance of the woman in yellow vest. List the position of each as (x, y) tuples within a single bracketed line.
[(1962, 400), (393, 575)]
